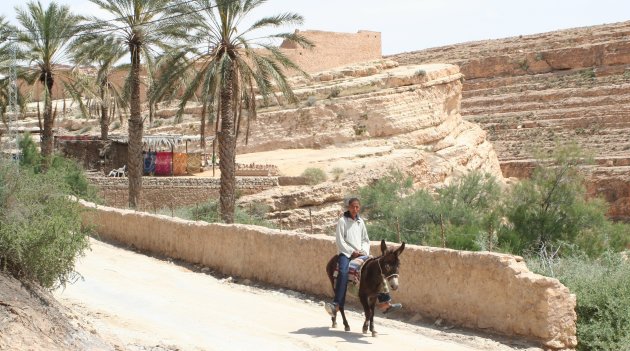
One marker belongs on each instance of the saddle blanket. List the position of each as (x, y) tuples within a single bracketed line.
[(354, 273)]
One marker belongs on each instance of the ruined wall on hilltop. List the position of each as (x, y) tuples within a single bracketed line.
[(334, 49)]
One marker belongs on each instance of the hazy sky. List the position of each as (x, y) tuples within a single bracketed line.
[(408, 25)]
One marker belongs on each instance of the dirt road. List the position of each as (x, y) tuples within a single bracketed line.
[(143, 303)]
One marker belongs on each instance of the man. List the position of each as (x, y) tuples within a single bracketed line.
[(353, 241)]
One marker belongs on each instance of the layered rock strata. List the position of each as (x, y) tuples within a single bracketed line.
[(540, 90), (410, 116)]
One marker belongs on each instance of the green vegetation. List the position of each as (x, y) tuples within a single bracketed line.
[(587, 74), (314, 176), (41, 234), (334, 92), (337, 172), (460, 217), (602, 287), (547, 218), (254, 213)]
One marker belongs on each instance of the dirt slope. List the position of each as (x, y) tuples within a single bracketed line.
[(31, 319)]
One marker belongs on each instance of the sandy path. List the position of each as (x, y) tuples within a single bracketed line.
[(139, 302)]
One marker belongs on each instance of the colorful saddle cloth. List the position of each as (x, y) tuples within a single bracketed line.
[(354, 274)]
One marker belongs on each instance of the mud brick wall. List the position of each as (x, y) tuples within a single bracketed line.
[(173, 192), (479, 290)]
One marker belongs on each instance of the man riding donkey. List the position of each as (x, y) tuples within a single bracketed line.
[(352, 242)]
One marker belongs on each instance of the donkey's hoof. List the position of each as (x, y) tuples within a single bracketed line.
[(374, 334), (347, 328), (334, 325), (365, 330)]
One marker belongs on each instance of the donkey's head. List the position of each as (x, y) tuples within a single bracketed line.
[(390, 264)]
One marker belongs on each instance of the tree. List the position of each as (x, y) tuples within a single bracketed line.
[(231, 70), (5, 62), (142, 27), (552, 207), (45, 38), (102, 51)]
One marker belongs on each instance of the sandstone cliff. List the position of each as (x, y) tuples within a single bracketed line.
[(533, 91), (409, 115)]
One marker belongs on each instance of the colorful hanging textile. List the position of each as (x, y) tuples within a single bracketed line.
[(179, 163), (194, 162), (149, 163), (163, 163)]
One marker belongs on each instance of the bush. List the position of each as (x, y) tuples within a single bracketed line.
[(337, 172), (314, 176), (253, 214), (460, 217), (68, 170), (551, 208), (40, 227), (602, 287)]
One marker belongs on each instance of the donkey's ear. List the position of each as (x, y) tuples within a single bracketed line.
[(383, 246), (400, 249)]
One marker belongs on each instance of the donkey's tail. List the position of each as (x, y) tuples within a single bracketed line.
[(330, 270)]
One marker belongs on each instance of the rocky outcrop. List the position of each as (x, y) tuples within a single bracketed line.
[(539, 90), (410, 114)]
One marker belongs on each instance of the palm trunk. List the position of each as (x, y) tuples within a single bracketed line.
[(134, 162), (151, 112), (47, 135), (227, 150), (104, 114), (202, 127)]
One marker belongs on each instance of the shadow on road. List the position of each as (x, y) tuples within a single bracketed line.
[(319, 332)]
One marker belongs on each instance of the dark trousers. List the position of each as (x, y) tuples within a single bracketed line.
[(342, 280)]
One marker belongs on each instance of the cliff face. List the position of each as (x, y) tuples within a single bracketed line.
[(535, 91), (409, 116)]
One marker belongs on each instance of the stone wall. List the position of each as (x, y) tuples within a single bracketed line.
[(173, 192), (480, 290), (334, 49)]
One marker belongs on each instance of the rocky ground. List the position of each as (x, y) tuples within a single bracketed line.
[(31, 319)]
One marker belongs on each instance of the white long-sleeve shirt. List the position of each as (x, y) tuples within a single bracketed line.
[(352, 235)]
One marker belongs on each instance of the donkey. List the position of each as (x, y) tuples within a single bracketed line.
[(375, 273)]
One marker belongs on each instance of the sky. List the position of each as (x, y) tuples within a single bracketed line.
[(409, 25)]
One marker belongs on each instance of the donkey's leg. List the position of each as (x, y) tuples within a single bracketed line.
[(345, 321), (366, 312), (334, 320), (372, 309)]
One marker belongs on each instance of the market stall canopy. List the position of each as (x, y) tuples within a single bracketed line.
[(162, 141)]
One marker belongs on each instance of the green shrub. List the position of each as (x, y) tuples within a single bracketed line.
[(40, 226), (314, 176), (602, 287), (460, 217), (551, 208), (334, 92), (337, 172), (253, 214), (68, 170), (30, 155)]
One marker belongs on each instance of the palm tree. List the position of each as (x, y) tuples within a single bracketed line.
[(45, 38), (142, 27), (6, 60), (231, 70), (103, 52)]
